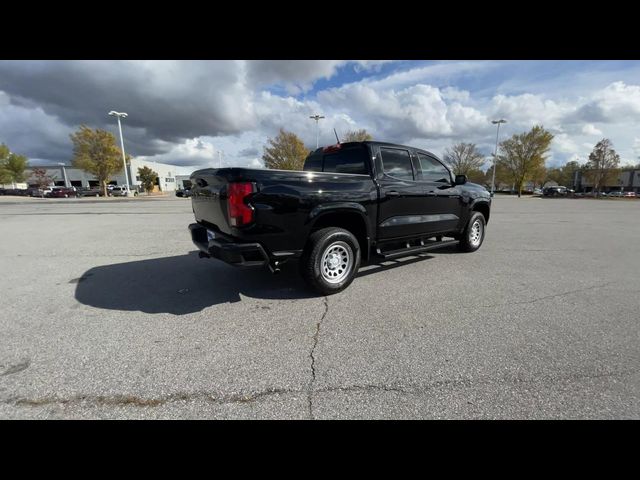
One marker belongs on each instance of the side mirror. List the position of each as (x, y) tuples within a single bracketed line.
[(460, 180)]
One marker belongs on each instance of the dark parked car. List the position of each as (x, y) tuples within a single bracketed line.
[(183, 193), (18, 192), (354, 202), (90, 192), (63, 192), (556, 191)]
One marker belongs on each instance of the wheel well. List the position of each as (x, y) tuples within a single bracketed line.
[(350, 221), (483, 208)]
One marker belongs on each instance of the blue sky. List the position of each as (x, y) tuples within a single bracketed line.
[(186, 112)]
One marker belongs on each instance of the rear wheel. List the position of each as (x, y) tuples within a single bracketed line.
[(473, 234), (331, 260)]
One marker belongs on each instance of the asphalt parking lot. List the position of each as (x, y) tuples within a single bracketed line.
[(107, 312)]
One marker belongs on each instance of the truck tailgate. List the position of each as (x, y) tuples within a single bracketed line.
[(209, 199)]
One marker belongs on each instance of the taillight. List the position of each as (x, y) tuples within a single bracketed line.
[(239, 212)]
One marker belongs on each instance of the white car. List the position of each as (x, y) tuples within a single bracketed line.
[(118, 191)]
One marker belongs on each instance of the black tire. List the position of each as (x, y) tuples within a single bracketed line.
[(471, 239), (337, 245)]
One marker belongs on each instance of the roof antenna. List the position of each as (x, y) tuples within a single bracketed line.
[(334, 131)]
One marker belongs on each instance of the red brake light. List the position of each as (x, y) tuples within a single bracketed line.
[(239, 212)]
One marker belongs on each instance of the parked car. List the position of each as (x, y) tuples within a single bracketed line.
[(35, 192), (556, 191), (90, 192), (353, 202), (63, 192), (39, 191), (616, 193), (537, 191), (18, 192), (630, 195), (183, 193), (118, 192)]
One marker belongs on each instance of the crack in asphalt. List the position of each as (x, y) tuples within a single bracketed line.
[(313, 358), (546, 297), (15, 368), (219, 398)]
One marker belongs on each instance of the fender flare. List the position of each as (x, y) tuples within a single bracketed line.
[(476, 202), (321, 211)]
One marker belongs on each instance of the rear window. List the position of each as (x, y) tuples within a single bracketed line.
[(346, 160)]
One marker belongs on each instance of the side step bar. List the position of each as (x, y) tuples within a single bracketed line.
[(403, 252)]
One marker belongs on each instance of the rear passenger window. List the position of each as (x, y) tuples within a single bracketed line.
[(397, 163), (350, 160), (433, 170), (313, 163)]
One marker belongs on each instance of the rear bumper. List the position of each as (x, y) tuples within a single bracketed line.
[(222, 248)]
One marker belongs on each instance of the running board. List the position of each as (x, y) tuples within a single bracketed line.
[(404, 252)]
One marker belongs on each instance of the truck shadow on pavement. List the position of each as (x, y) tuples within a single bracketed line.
[(182, 284), (186, 284)]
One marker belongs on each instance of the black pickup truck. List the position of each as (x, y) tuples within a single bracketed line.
[(353, 202)]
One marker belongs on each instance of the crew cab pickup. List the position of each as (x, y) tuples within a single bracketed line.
[(352, 203)]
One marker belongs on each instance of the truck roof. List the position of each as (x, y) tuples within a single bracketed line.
[(377, 143)]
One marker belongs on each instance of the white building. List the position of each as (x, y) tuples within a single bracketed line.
[(166, 180)]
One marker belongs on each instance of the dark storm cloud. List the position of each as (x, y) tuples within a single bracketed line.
[(167, 101), (170, 100)]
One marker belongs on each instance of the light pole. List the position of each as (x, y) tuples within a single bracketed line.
[(495, 155), (124, 158), (64, 174), (317, 118)]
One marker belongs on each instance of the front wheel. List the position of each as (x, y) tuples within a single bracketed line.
[(473, 234), (331, 260)]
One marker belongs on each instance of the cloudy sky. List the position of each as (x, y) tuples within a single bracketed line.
[(186, 112)]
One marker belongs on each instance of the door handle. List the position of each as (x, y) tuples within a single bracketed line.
[(392, 193)]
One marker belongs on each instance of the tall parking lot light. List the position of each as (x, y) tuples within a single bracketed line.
[(124, 158), (317, 118), (495, 155)]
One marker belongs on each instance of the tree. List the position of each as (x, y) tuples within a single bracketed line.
[(4, 177), (285, 152), (602, 164), (4, 154), (564, 175), (477, 176), (147, 178), (96, 152), (12, 166), (357, 136), (542, 175), (524, 155), (41, 178), (569, 173), (463, 158), (502, 177)]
